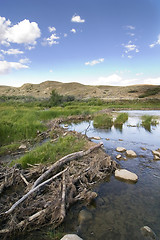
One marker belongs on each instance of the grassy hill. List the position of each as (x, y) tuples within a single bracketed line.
[(44, 89)]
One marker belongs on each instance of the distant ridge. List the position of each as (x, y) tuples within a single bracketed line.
[(44, 89)]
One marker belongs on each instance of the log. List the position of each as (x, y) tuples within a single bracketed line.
[(64, 160), (33, 190)]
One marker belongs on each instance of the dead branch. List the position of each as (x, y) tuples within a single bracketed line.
[(64, 160), (24, 179), (33, 190)]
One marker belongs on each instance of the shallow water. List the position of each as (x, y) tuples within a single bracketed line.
[(121, 209)]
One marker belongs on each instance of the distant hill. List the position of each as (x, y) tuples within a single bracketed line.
[(44, 89)]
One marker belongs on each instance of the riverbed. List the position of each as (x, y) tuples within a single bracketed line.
[(121, 208)]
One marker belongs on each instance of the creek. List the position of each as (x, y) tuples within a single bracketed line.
[(122, 209)]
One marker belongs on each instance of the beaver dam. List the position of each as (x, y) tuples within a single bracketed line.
[(79, 193), (40, 195)]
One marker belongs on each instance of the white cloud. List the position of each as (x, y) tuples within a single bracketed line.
[(155, 43), (77, 19), (51, 71), (131, 34), (65, 35), (94, 62), (73, 30), (12, 51), (6, 67), (128, 48), (24, 61), (51, 29), (116, 80), (130, 27), (130, 57), (51, 40), (30, 47), (24, 32)]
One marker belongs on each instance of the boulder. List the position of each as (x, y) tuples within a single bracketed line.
[(126, 175), (148, 233), (120, 149), (71, 237), (83, 216), (156, 158), (131, 153)]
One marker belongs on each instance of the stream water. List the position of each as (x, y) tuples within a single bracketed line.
[(121, 209)]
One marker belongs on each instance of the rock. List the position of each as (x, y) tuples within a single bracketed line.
[(143, 148), (83, 216), (126, 175), (156, 153), (66, 125), (71, 237), (107, 139), (148, 233), (96, 138), (131, 153), (156, 158), (120, 139), (22, 146), (120, 149), (118, 156)]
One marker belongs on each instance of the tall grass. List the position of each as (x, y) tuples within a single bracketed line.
[(121, 119), (148, 121), (103, 121), (49, 152)]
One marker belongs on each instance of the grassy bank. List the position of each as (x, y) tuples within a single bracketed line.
[(50, 153)]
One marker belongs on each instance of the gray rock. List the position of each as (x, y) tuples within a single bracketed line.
[(96, 138), (126, 175), (120, 149), (131, 153), (71, 237), (148, 233)]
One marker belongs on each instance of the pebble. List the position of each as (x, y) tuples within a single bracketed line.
[(120, 149), (148, 233), (118, 156), (131, 153)]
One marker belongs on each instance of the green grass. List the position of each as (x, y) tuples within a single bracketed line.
[(9, 148), (148, 121), (103, 121), (120, 119), (49, 152)]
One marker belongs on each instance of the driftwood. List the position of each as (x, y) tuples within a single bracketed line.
[(64, 160), (33, 190)]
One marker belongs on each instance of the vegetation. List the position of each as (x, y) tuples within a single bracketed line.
[(103, 121), (148, 121), (150, 92), (9, 148), (120, 119), (57, 99), (49, 152)]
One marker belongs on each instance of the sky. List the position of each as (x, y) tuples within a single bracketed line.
[(93, 42)]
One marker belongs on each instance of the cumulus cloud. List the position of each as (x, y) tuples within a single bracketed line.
[(51, 29), (77, 19), (155, 43), (12, 51), (116, 80), (129, 48), (24, 61), (51, 40), (73, 30), (94, 62), (24, 32), (7, 67)]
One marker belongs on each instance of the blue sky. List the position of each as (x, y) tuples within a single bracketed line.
[(108, 42)]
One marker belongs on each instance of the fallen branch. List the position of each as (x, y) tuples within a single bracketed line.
[(64, 160), (24, 179), (34, 190)]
